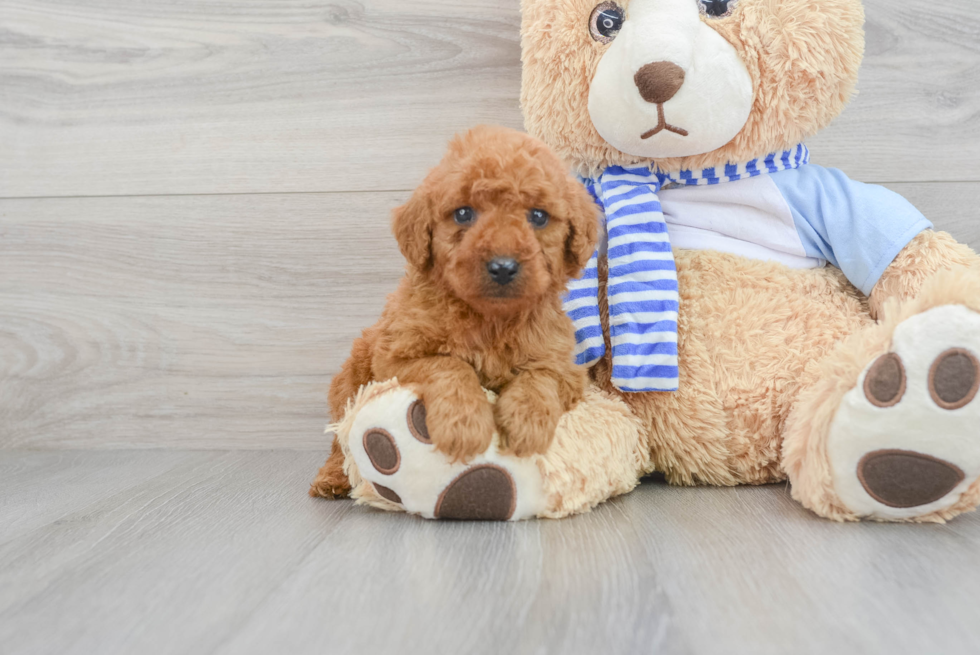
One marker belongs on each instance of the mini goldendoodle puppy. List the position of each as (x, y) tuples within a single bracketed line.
[(492, 237)]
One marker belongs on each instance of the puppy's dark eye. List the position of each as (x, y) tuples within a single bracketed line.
[(606, 21), (716, 8), (464, 215), (538, 218)]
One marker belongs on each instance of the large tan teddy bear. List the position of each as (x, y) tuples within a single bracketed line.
[(749, 317)]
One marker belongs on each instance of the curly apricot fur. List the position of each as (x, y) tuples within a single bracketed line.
[(449, 332)]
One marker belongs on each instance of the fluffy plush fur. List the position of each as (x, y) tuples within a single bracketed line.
[(766, 353), (805, 448), (450, 330), (803, 57)]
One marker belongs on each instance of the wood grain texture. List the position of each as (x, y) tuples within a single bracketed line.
[(191, 322), (103, 97), (917, 113), (171, 565), (209, 322), (41, 489), (226, 554)]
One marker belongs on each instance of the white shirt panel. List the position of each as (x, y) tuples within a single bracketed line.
[(748, 217)]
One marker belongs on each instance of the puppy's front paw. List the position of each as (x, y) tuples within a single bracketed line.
[(331, 490), (331, 482), (526, 425), (460, 425)]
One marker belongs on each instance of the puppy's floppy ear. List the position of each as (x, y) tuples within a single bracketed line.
[(413, 231), (583, 228)]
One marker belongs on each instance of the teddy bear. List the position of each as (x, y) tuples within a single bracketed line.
[(748, 317)]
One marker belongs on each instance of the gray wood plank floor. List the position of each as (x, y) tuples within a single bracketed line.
[(221, 552)]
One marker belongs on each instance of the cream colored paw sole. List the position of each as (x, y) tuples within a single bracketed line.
[(906, 440), (388, 442)]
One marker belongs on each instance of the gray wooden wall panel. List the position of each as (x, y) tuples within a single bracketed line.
[(105, 97), (109, 97), (198, 322), (209, 321), (917, 113)]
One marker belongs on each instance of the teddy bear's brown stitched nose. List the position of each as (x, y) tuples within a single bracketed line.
[(660, 81)]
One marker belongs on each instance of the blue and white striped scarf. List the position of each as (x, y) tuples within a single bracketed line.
[(642, 286)]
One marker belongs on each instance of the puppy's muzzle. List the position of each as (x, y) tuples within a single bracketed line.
[(503, 270)]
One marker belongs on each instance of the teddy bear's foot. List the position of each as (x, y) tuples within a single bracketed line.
[(597, 453), (906, 440), (399, 468), (904, 443)]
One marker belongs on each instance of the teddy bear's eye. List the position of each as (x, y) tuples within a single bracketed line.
[(606, 21), (464, 215), (717, 8)]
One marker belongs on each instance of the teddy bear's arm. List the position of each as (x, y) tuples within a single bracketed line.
[(924, 256)]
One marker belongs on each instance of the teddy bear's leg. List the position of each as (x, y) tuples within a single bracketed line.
[(890, 430), (392, 464), (598, 453)]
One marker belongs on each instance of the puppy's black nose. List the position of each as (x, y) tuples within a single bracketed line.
[(503, 270)]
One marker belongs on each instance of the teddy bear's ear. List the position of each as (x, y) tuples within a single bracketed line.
[(583, 232), (411, 224)]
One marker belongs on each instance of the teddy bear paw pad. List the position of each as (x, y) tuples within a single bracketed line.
[(481, 493), (902, 478), (906, 440), (401, 469)]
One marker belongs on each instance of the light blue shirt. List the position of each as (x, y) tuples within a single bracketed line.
[(803, 217), (859, 228)]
